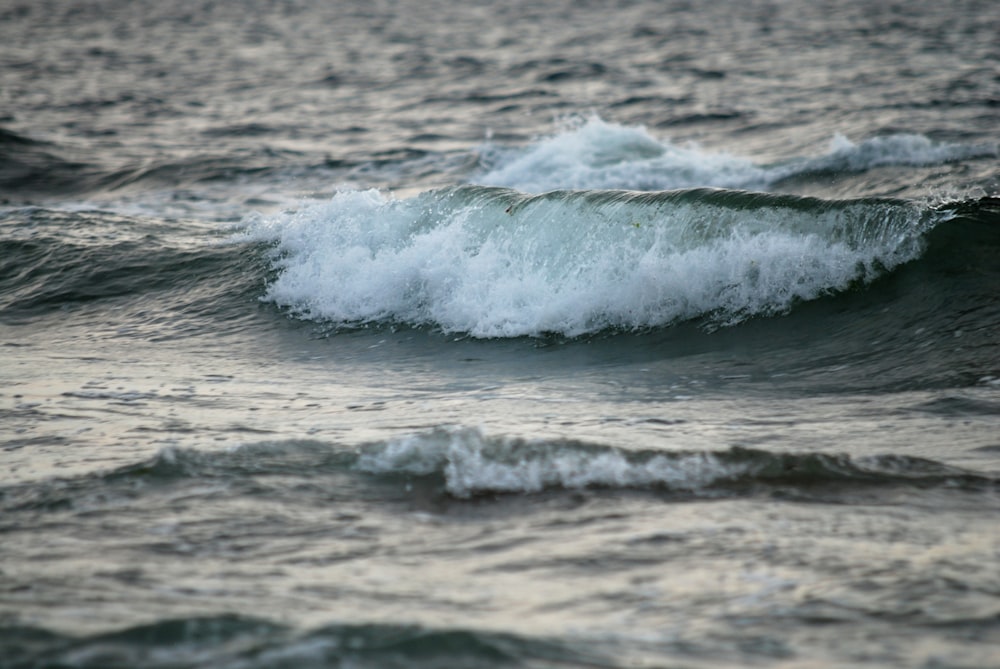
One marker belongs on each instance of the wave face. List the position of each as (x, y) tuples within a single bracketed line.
[(596, 154), (492, 262)]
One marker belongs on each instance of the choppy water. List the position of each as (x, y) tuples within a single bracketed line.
[(499, 334)]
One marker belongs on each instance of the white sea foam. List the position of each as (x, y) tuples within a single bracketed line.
[(594, 153), (493, 263), (472, 463)]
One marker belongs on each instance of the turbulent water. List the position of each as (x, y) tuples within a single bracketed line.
[(433, 334)]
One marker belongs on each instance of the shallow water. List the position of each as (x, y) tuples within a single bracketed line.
[(427, 334)]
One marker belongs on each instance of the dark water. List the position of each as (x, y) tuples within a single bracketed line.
[(398, 334)]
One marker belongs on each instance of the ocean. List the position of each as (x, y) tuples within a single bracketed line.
[(499, 334)]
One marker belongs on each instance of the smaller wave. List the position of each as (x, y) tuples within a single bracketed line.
[(472, 463), (594, 153), (464, 463)]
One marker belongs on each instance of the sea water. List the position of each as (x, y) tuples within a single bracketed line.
[(434, 334)]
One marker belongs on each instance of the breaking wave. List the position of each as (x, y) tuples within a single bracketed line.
[(494, 262)]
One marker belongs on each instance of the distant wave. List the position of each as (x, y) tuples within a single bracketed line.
[(492, 262), (596, 154)]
